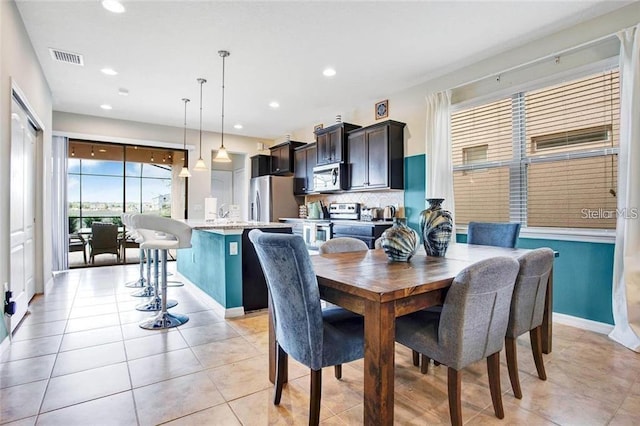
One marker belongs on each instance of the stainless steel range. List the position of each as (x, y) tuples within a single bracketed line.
[(348, 211)]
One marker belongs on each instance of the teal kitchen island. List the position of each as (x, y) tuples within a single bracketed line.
[(223, 264)]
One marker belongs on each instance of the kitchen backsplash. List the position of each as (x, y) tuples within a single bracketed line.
[(366, 199)]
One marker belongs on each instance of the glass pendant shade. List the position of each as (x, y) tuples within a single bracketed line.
[(222, 156), (200, 165), (184, 173)]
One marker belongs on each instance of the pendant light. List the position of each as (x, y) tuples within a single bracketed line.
[(200, 164), (184, 173), (222, 156)]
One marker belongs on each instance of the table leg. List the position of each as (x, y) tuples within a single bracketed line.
[(547, 319), (273, 349), (379, 353)]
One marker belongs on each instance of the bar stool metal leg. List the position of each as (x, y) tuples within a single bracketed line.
[(149, 289), (140, 282), (156, 302), (164, 319)]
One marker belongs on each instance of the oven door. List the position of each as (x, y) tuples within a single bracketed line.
[(315, 234)]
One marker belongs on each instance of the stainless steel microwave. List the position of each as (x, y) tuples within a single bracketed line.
[(330, 177)]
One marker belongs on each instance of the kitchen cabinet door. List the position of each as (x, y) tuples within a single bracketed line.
[(378, 157), (331, 143), (358, 160), (304, 162), (282, 158)]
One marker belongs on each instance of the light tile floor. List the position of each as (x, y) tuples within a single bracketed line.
[(79, 358)]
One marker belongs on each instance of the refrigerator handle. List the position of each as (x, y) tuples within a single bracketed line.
[(258, 206)]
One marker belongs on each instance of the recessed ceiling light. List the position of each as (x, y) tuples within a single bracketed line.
[(106, 106), (123, 92), (329, 72), (102, 150), (237, 126), (109, 71), (274, 104), (113, 6)]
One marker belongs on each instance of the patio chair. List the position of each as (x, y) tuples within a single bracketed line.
[(104, 240)]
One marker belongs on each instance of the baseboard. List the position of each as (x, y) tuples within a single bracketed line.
[(213, 304), (585, 324)]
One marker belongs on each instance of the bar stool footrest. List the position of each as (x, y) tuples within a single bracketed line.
[(155, 305), (139, 283), (145, 292)]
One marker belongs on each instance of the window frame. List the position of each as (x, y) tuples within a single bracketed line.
[(520, 159)]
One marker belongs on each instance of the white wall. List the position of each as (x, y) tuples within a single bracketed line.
[(18, 62), (408, 106), (105, 129)]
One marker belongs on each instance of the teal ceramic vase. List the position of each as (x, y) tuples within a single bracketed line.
[(400, 242), (436, 226)]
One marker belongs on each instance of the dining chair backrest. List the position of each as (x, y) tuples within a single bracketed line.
[(527, 304), (294, 294), (104, 235), (343, 244), (476, 311), (493, 234)]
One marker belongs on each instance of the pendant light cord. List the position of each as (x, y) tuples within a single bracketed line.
[(201, 83), (223, 54), (184, 136)]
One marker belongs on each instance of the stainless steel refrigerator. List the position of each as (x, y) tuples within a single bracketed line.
[(271, 197)]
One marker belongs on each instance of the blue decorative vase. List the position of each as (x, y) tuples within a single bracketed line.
[(436, 226), (400, 242)]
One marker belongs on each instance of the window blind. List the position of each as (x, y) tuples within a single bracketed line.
[(544, 158)]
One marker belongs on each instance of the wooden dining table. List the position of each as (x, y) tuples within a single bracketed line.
[(369, 284)]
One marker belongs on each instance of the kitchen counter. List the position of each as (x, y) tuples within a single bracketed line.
[(340, 221), (221, 225), (223, 264)]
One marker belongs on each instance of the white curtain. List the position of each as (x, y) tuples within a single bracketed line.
[(60, 231), (626, 264), (439, 162)]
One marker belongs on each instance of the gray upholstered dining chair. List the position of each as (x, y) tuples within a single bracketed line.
[(488, 234), (493, 234), (470, 327), (527, 310), (343, 244), (314, 337)]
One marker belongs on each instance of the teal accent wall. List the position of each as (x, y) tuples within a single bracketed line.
[(209, 265), (582, 277), (414, 189), (582, 274)]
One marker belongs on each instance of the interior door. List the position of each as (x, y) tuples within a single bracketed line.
[(22, 208), (222, 187)]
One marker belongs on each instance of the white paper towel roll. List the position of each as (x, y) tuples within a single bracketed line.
[(210, 208)]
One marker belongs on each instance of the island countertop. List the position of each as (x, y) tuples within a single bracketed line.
[(222, 227)]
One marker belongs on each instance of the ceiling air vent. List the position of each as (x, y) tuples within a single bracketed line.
[(66, 57)]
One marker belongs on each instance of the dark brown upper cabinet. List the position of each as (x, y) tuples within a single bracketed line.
[(376, 156), (331, 143), (304, 159), (282, 157)]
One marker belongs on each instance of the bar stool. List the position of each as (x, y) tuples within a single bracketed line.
[(155, 302), (131, 233), (182, 233)]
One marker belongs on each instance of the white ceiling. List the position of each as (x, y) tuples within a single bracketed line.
[(278, 51)]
